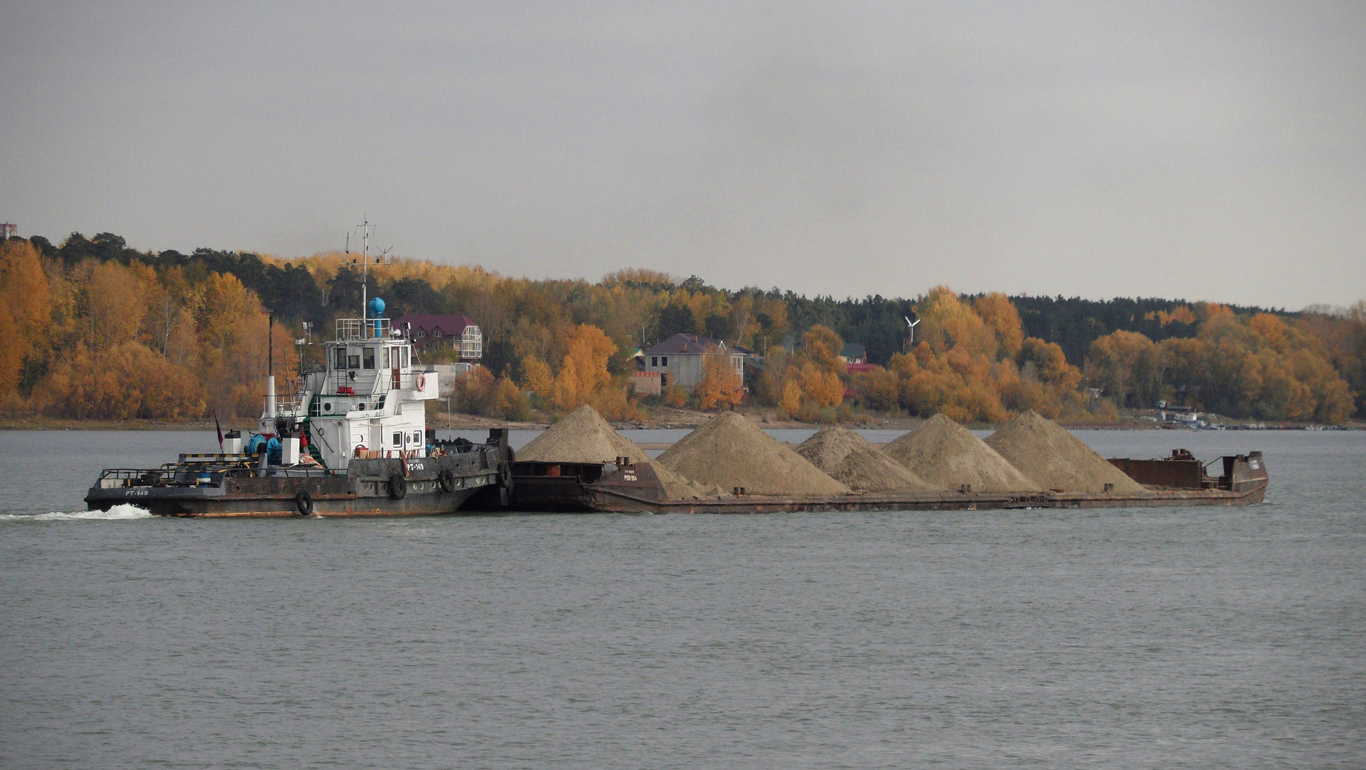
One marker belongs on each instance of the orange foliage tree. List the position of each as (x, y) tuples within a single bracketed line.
[(1255, 366), (973, 363), (807, 384), (115, 341), (1342, 334), (538, 377), (24, 314), (583, 368), (83, 305), (1125, 365), (475, 391), (511, 402), (1262, 367), (999, 315), (122, 382), (584, 378), (720, 385)]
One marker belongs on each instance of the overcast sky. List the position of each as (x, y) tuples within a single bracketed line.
[(1197, 150)]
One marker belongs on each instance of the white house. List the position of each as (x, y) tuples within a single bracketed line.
[(678, 359)]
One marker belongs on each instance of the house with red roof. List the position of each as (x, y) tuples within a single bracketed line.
[(429, 331)]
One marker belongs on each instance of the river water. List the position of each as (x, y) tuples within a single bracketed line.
[(1160, 638)]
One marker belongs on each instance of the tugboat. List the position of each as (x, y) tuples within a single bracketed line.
[(350, 441)]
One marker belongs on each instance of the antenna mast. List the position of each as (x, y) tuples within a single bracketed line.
[(366, 228)]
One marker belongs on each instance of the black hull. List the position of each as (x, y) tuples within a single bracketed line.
[(370, 487), (170, 503)]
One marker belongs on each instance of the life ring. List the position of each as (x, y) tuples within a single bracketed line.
[(304, 502), (398, 487), (421, 381), (447, 480)]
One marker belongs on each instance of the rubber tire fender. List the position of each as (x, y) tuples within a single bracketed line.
[(398, 487), (303, 502), (447, 480)]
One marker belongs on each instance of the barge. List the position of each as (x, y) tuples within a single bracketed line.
[(625, 486)]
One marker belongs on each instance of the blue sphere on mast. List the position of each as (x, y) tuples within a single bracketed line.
[(376, 307)]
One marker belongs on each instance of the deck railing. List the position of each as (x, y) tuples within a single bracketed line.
[(352, 329)]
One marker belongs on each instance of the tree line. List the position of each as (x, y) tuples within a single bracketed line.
[(91, 328)]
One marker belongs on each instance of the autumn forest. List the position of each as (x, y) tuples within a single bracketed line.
[(93, 329)]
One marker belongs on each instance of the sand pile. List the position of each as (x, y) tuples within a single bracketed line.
[(1055, 459), (730, 451), (947, 455), (848, 457), (584, 437)]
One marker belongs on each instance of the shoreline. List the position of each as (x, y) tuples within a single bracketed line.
[(673, 419)]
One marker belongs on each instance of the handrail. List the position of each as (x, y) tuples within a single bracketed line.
[(357, 329), (167, 475), (383, 383)]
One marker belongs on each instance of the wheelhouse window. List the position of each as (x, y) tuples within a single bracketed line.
[(368, 358), (353, 361), (398, 439), (406, 361), (339, 358)]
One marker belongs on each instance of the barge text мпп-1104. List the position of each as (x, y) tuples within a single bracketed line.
[(350, 440)]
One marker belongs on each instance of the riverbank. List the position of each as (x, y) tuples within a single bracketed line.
[(660, 419)]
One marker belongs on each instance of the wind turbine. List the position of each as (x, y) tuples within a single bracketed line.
[(911, 325)]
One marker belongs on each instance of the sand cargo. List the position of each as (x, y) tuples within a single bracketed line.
[(852, 460), (748, 471)]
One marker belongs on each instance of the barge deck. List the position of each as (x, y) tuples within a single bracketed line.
[(626, 487)]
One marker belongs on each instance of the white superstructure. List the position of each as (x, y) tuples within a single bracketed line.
[(367, 399)]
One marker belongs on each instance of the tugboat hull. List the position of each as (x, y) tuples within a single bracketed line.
[(265, 507), (369, 487)]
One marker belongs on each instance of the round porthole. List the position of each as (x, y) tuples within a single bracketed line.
[(327, 407), (361, 407)]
